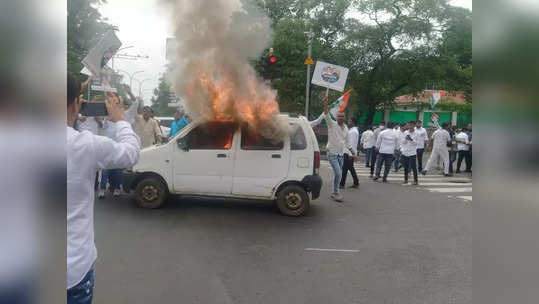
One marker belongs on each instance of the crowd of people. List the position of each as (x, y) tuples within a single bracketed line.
[(392, 145)]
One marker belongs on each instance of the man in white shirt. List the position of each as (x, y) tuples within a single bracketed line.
[(374, 155), (387, 144), (350, 155), (423, 137), (463, 149), (440, 139), (337, 133), (367, 142), (85, 153), (400, 134), (408, 144)]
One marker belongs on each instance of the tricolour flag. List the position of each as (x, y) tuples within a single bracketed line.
[(435, 97), (338, 105)]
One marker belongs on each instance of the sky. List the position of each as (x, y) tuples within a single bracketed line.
[(145, 26)]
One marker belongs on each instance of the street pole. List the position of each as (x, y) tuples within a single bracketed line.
[(310, 35)]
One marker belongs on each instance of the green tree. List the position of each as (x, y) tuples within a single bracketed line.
[(85, 26), (160, 99)]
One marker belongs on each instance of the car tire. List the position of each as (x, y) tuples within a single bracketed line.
[(293, 200), (150, 193)]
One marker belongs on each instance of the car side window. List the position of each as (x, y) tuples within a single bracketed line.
[(252, 140), (212, 136), (298, 141)]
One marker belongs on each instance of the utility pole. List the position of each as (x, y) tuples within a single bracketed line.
[(310, 36), (131, 76)]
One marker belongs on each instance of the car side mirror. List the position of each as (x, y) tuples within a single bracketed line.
[(183, 143)]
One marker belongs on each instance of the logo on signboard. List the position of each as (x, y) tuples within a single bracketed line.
[(330, 74)]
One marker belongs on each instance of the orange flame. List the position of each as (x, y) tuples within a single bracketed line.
[(252, 102)]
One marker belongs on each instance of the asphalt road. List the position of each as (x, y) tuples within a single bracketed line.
[(414, 247)]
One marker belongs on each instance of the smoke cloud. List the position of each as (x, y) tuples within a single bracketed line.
[(215, 41)]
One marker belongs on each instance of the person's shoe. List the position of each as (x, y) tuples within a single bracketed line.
[(370, 176), (468, 171), (101, 194), (338, 198), (375, 178), (405, 182), (384, 181), (116, 192), (367, 166), (448, 175), (341, 186), (458, 171), (355, 186), (415, 183), (424, 172), (396, 170)]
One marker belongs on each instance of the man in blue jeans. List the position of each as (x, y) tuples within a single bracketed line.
[(337, 133), (85, 153)]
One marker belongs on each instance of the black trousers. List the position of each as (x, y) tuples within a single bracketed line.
[(374, 155), (467, 155), (420, 159), (348, 165), (409, 162), (385, 158), (452, 159)]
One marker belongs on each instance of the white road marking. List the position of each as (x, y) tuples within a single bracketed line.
[(332, 250), (450, 190), (468, 198), (426, 184)]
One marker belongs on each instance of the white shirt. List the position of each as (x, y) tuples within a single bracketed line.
[(409, 147), (86, 153), (462, 137), (336, 136), (351, 141), (400, 135), (387, 141), (367, 139), (422, 133), (376, 132), (89, 124), (440, 138)]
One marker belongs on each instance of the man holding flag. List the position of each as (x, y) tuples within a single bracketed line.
[(337, 134), (338, 105)]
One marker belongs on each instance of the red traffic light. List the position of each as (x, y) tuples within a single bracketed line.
[(272, 59)]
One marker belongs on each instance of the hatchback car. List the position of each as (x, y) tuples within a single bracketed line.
[(224, 159)]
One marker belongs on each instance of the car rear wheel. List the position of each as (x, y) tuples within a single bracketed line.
[(293, 200), (150, 193)]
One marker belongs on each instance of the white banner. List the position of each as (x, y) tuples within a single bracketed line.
[(100, 54), (331, 76)]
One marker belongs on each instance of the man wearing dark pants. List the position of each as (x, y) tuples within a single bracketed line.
[(409, 151), (350, 155), (463, 148), (387, 144), (422, 138), (374, 153)]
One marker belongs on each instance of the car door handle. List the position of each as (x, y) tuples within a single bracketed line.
[(276, 156), (220, 155)]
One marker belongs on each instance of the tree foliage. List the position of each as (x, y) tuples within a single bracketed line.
[(392, 47), (160, 99)]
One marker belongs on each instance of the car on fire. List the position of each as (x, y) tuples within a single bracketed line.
[(224, 159)]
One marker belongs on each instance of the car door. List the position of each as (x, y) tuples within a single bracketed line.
[(260, 165), (204, 159)]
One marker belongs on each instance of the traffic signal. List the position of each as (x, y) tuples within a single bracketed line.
[(270, 66)]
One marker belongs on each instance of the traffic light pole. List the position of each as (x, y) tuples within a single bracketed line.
[(310, 35)]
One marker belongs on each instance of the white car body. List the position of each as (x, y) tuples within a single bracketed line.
[(239, 171)]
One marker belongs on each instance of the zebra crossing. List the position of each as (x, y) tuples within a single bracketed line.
[(458, 186)]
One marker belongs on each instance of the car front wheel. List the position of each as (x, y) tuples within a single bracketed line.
[(150, 193), (293, 200)]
